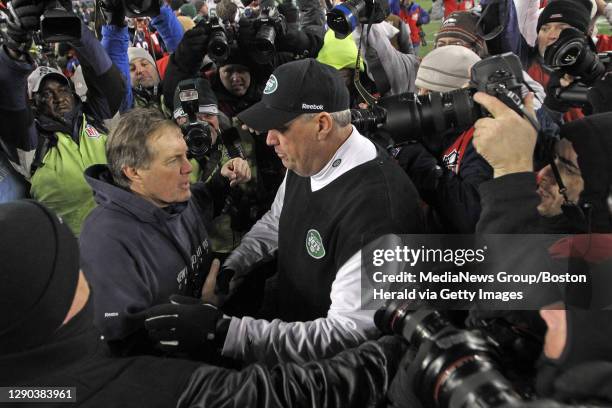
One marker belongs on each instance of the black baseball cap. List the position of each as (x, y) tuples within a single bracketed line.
[(304, 86)]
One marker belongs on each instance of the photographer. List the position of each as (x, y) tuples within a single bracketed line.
[(53, 144), (226, 229), (448, 175), (144, 79), (555, 17)]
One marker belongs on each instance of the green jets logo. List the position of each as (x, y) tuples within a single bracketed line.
[(314, 244), (271, 85)]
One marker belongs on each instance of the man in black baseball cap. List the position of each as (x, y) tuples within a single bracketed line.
[(304, 86), (338, 189)]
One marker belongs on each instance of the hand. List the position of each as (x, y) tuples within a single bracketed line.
[(26, 13), (114, 13), (420, 165), (209, 291), (185, 325), (601, 6), (237, 171), (23, 17), (192, 48), (506, 141), (555, 83)]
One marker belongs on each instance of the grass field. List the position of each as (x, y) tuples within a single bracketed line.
[(431, 28)]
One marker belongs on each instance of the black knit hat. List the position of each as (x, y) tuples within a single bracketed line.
[(39, 270), (570, 12), (464, 26)]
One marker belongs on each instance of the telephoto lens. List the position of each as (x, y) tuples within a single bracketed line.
[(458, 369)]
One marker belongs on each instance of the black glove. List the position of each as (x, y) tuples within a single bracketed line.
[(185, 325), (113, 12), (552, 88), (420, 165), (23, 18), (290, 11), (192, 48)]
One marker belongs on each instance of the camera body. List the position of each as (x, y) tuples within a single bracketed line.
[(345, 17), (453, 367), (408, 117), (197, 134), (574, 54), (219, 44), (269, 26)]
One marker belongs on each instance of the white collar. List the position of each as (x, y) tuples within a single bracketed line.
[(355, 151)]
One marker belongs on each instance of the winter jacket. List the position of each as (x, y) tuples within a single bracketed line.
[(75, 357), (23, 136), (393, 71), (116, 41), (135, 254)]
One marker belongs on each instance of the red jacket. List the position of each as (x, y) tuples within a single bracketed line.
[(457, 5), (604, 43)]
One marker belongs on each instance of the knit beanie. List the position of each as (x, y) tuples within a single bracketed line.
[(38, 274), (463, 25), (339, 53), (137, 52), (446, 68), (570, 12), (188, 10)]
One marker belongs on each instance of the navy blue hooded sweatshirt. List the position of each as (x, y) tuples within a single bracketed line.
[(135, 254)]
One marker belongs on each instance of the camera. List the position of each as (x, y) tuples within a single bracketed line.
[(141, 8), (268, 26), (408, 117), (218, 45), (454, 367), (198, 135), (573, 53), (345, 17), (56, 24)]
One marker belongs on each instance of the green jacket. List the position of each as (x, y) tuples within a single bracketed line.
[(59, 182)]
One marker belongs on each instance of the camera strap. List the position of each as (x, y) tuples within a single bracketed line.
[(367, 97), (571, 210)]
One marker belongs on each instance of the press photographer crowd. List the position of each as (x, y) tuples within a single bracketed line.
[(187, 188)]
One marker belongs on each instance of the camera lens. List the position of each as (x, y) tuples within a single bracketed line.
[(198, 139), (344, 18), (218, 48)]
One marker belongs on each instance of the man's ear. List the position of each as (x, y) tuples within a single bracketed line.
[(132, 174), (325, 125)]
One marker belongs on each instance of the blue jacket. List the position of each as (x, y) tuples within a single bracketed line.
[(135, 254)]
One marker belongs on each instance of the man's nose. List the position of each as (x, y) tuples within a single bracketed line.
[(271, 139), (186, 168)]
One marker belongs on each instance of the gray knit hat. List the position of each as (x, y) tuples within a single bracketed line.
[(446, 68), (137, 52)]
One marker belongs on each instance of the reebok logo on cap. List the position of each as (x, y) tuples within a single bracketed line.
[(315, 107)]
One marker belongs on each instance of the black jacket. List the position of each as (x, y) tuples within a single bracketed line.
[(76, 357)]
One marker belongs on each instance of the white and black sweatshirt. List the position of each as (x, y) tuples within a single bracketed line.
[(315, 226)]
